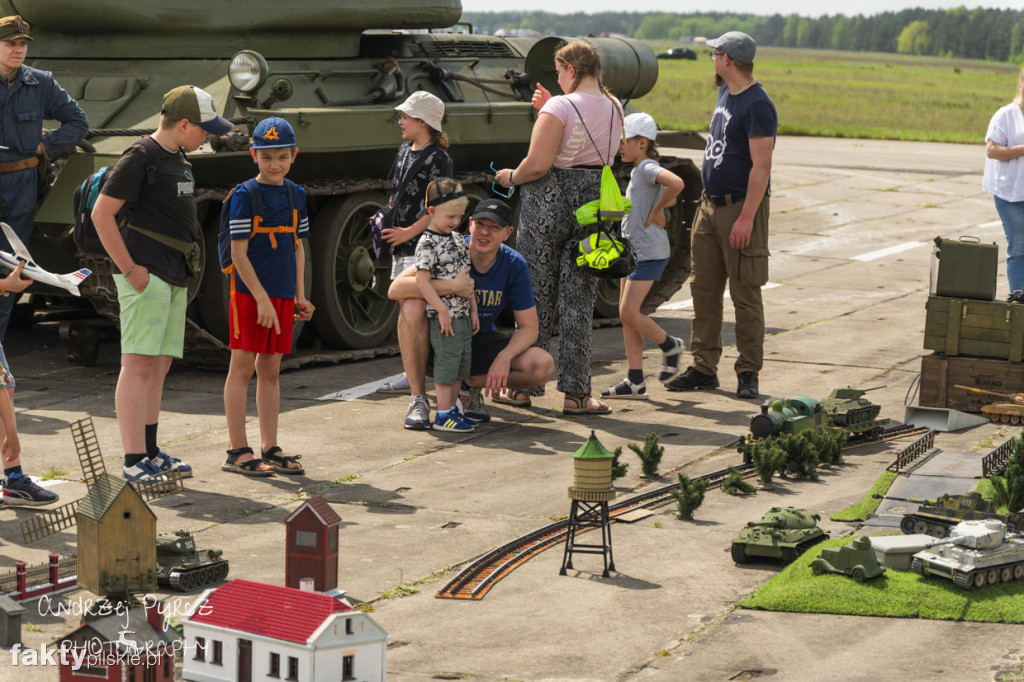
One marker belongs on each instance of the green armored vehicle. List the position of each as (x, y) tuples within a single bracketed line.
[(335, 69), (937, 517), (977, 553), (848, 407), (856, 560), (783, 533), (183, 567)]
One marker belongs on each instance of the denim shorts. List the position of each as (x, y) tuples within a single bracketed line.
[(648, 270)]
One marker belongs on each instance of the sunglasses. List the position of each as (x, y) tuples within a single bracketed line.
[(498, 189)]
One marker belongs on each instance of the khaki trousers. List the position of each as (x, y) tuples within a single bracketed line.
[(746, 270)]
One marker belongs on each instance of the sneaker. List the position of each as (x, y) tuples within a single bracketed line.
[(462, 413), (24, 492), (165, 463), (692, 380), (746, 385), (627, 390), (471, 404), (145, 469), (418, 414), (452, 420), (670, 361)]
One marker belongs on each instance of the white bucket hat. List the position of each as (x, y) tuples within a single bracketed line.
[(424, 106)]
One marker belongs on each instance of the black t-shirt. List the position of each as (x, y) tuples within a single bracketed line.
[(165, 206), (412, 190)]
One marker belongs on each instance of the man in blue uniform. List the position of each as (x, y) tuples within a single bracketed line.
[(31, 97)]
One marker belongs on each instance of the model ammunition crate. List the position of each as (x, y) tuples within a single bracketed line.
[(988, 329), (941, 374), (964, 268)]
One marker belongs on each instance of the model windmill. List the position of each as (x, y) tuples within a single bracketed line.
[(65, 516)]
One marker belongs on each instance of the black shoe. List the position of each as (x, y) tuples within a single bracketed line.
[(747, 385), (693, 380)]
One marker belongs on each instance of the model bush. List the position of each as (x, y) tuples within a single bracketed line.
[(801, 459), (827, 443), (735, 485), (649, 453), (689, 496), (618, 468), (768, 459), (1009, 486)]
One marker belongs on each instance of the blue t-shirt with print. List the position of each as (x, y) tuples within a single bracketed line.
[(737, 118), (506, 283), (275, 268)]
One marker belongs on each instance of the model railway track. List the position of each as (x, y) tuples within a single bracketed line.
[(476, 579), (891, 433)]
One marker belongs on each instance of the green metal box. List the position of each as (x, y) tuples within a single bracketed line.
[(987, 329), (964, 268)]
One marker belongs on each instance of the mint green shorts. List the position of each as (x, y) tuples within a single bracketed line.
[(153, 322)]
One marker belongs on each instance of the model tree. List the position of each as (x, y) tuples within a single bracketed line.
[(689, 496), (1009, 486), (649, 453)]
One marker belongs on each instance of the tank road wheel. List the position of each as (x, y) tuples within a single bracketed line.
[(1015, 419), (1005, 418), (979, 579), (222, 571), (858, 574), (992, 576), (939, 531), (1018, 571), (350, 288), (739, 552), (920, 527), (1006, 574), (907, 524)]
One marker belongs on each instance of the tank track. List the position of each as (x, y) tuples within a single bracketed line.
[(739, 553), (199, 576), (858, 415), (917, 566), (962, 579), (790, 554)]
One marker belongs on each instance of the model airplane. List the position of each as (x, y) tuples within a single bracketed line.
[(70, 281)]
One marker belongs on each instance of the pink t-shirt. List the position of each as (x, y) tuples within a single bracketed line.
[(603, 122)]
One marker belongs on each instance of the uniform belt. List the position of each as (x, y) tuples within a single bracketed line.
[(725, 199), (20, 164)]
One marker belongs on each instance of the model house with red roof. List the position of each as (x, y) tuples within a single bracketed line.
[(253, 632)]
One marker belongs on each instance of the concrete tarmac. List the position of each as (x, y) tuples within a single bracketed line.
[(851, 230)]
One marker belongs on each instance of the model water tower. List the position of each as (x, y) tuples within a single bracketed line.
[(590, 493)]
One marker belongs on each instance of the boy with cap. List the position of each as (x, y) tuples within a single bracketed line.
[(150, 276), (267, 294)]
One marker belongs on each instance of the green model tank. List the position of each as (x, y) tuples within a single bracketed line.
[(335, 69), (783, 533), (847, 406), (936, 517), (183, 567)]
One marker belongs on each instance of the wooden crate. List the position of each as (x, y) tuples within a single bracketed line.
[(988, 329), (940, 374)]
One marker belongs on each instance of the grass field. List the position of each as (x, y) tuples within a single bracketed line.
[(848, 94)]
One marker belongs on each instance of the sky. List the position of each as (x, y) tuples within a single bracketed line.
[(802, 7)]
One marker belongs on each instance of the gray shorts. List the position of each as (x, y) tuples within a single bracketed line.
[(451, 353)]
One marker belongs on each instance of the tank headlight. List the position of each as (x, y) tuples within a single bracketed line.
[(248, 71)]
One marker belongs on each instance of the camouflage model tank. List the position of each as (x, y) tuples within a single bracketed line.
[(847, 407), (1011, 412), (783, 533), (977, 553), (335, 69), (183, 567), (936, 517)]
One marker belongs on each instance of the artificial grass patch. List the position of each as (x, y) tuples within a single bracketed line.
[(866, 507), (894, 594)]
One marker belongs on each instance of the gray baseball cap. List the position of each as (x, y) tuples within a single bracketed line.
[(737, 44)]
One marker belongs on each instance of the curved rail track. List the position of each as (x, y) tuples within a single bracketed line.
[(476, 579)]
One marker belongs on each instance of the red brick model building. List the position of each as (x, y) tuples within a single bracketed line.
[(312, 545)]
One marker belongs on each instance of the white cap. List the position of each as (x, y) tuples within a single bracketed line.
[(424, 106), (640, 125)]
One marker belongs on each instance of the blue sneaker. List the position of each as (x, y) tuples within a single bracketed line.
[(453, 421), (165, 463), (142, 471), (22, 491)]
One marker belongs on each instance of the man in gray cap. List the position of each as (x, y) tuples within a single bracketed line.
[(730, 234)]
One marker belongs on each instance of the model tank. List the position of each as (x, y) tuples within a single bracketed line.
[(936, 517), (783, 533), (856, 560), (335, 69), (847, 407), (183, 567), (977, 553), (1009, 412)]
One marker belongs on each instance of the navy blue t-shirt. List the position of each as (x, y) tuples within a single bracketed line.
[(737, 118), (275, 268), (506, 283)]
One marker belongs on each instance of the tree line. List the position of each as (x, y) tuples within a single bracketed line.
[(993, 34)]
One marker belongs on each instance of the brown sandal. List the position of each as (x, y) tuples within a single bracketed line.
[(581, 401), (507, 396)]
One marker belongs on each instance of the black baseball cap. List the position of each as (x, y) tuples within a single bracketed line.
[(495, 209)]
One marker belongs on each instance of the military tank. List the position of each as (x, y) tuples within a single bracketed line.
[(183, 567), (783, 533), (848, 408), (1010, 412), (936, 517), (335, 69), (977, 553)]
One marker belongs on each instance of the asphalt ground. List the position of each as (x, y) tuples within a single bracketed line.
[(851, 230)]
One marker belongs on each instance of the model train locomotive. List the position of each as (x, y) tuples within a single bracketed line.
[(843, 408)]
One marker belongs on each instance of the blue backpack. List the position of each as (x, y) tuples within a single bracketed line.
[(252, 187)]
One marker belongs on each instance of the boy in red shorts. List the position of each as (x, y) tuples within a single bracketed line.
[(267, 295)]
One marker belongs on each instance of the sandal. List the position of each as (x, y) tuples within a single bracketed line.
[(581, 401), (507, 397), (248, 468), (399, 385), (281, 462)]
